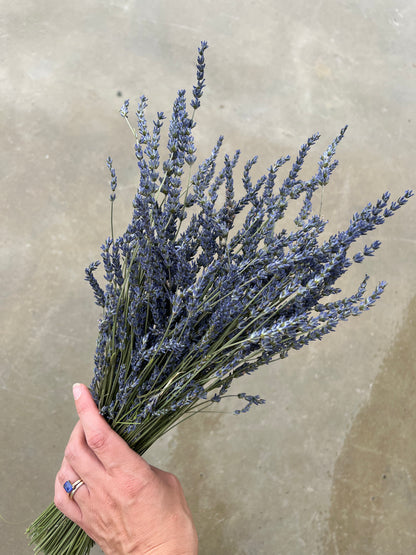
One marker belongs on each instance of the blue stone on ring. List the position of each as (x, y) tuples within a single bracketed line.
[(68, 486)]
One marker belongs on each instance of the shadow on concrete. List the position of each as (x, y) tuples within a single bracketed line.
[(373, 502)]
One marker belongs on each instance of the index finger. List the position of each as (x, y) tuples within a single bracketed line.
[(107, 445)]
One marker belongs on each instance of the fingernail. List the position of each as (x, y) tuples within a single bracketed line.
[(76, 390)]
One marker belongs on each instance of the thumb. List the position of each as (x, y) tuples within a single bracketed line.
[(107, 445), (83, 399), (93, 424)]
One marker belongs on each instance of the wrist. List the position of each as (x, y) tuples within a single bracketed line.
[(180, 546)]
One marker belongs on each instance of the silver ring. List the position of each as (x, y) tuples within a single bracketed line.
[(71, 488)]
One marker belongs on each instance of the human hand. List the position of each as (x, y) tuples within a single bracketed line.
[(125, 505)]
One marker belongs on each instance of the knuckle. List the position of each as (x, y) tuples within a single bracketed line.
[(96, 441), (173, 481), (60, 477), (70, 452)]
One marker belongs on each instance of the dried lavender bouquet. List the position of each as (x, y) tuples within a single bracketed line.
[(190, 303)]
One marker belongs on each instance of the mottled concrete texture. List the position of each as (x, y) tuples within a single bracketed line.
[(327, 466)]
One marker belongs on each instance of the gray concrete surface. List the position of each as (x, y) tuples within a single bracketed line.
[(327, 466)]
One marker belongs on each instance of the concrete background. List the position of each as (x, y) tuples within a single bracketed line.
[(327, 466)]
